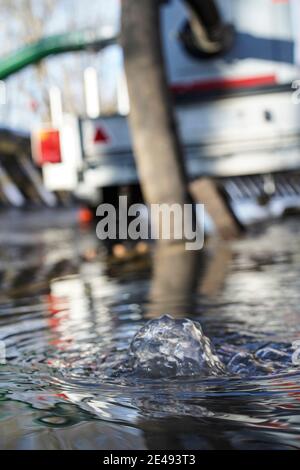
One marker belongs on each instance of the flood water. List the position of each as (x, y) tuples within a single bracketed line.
[(68, 313)]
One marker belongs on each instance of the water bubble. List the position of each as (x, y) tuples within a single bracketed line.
[(245, 363), (54, 420), (242, 363), (165, 347), (268, 353)]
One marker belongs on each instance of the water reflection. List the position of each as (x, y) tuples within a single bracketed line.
[(180, 277), (68, 313)]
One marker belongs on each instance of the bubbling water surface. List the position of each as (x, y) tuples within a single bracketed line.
[(92, 362)]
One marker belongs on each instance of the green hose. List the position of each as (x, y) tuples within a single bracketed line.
[(53, 45)]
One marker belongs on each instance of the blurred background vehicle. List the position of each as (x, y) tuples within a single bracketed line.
[(235, 92)]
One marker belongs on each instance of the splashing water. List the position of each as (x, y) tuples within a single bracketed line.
[(85, 369), (165, 347)]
